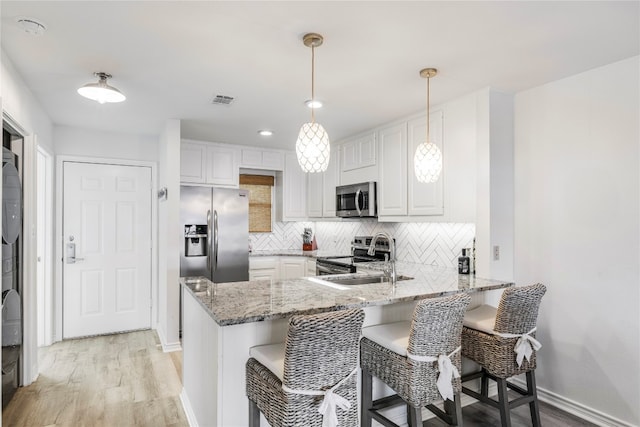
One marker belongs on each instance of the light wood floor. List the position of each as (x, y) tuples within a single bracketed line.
[(126, 380), (111, 381)]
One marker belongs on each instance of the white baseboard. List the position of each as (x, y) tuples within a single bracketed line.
[(167, 347), (188, 411), (578, 409)]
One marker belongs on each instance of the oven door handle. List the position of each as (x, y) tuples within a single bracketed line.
[(322, 270), (358, 209)]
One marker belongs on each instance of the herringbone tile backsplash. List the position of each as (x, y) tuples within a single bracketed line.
[(425, 243)]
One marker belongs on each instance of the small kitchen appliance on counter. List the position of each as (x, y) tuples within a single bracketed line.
[(359, 247)]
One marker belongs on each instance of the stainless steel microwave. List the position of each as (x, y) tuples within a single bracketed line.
[(357, 200)]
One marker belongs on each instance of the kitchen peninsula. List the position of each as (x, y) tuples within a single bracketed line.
[(221, 321)]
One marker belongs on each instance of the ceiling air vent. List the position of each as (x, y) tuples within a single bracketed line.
[(223, 100)]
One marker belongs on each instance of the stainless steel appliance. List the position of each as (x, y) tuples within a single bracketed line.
[(215, 233), (346, 264), (357, 200)]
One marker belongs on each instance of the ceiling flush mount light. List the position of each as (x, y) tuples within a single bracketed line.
[(313, 103), (31, 25), (312, 146), (265, 132), (427, 161), (101, 91)]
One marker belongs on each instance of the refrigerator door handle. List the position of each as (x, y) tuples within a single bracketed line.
[(215, 240), (209, 241)]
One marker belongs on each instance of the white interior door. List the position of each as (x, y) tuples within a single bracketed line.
[(107, 248)]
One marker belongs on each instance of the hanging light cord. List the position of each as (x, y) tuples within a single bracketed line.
[(428, 102), (313, 93)]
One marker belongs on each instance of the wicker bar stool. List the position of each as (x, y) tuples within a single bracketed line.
[(502, 341), (419, 360), (309, 380)]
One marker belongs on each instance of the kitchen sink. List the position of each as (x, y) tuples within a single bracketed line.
[(362, 280)]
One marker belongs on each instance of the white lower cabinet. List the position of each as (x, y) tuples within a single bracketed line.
[(292, 267), (263, 268), (311, 267), (281, 267)]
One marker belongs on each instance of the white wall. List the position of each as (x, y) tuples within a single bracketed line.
[(169, 237), (22, 106), (577, 231), (72, 141)]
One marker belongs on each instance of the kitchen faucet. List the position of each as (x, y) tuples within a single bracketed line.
[(392, 254)]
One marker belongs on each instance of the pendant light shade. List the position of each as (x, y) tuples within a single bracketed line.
[(427, 161), (101, 91), (312, 147)]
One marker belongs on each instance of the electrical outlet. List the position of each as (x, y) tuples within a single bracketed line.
[(496, 253)]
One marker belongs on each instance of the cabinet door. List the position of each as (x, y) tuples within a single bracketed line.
[(311, 267), (251, 157), (392, 185), (359, 152), (331, 180), (192, 162), (294, 190), (273, 160), (292, 267), (223, 166), (315, 194), (425, 198)]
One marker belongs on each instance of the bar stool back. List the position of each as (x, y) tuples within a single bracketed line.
[(309, 377), (502, 341)]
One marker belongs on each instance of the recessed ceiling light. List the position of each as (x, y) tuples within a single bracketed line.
[(31, 25), (265, 132), (313, 103)]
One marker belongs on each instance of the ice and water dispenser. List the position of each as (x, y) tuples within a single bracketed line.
[(195, 240)]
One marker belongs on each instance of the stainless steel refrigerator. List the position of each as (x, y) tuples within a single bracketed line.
[(215, 229)]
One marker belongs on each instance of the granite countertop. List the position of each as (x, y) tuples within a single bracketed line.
[(257, 300), (295, 252)]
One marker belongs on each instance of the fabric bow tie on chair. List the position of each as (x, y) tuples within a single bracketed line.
[(524, 346), (447, 372)]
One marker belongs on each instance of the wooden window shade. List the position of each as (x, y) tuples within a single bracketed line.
[(259, 187)]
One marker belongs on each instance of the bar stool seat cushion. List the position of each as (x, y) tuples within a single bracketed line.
[(271, 356), (393, 336), (481, 318)]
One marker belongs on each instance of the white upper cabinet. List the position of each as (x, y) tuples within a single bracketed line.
[(193, 161), (392, 183), (358, 159), (291, 191), (321, 189), (424, 198), (331, 179), (262, 159), (209, 163), (223, 166)]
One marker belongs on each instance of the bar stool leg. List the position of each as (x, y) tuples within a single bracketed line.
[(454, 410), (254, 414), (503, 397), (533, 406), (367, 401), (414, 416), (484, 384)]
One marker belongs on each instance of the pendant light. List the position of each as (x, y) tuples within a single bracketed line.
[(101, 91), (312, 146), (427, 161)]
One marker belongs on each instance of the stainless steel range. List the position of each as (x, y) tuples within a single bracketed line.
[(359, 247)]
